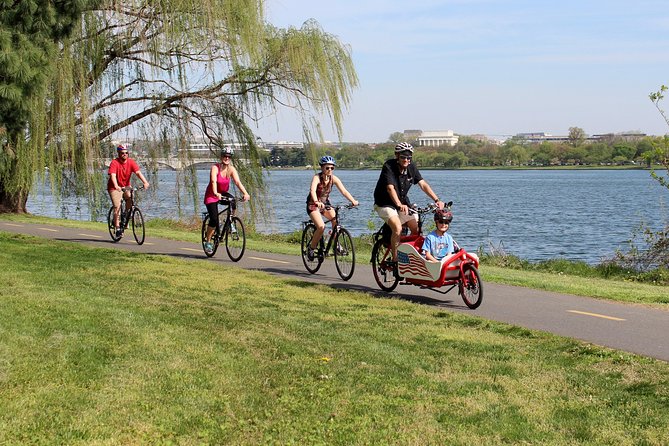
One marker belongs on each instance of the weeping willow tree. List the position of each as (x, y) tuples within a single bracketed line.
[(171, 71)]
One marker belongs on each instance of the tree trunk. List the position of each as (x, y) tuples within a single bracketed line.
[(13, 203)]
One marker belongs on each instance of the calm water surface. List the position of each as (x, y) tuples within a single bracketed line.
[(535, 214)]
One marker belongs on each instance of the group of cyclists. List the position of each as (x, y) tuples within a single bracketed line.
[(391, 201)]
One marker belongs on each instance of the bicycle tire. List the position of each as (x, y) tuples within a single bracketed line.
[(138, 226), (470, 287), (235, 239), (214, 238), (384, 276), (314, 264), (110, 225), (344, 254)]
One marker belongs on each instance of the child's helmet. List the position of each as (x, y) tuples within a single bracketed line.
[(443, 216), (327, 159)]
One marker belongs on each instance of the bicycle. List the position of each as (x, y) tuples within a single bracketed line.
[(339, 242), (458, 269), (131, 216), (230, 228)]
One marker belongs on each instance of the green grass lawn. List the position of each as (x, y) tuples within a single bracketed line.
[(100, 346)]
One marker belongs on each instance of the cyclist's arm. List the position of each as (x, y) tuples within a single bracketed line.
[(403, 208), (238, 183), (430, 193), (344, 192), (312, 191), (114, 181), (141, 177)]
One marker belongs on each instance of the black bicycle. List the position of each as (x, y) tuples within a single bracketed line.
[(230, 229), (339, 242), (131, 216)]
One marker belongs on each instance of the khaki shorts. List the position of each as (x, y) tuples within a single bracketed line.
[(387, 212), (116, 197)]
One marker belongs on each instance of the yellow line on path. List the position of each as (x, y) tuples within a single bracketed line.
[(90, 235), (48, 229), (192, 249), (596, 315), (13, 224), (269, 260)]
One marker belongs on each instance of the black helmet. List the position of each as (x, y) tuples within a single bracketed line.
[(227, 151), (443, 215)]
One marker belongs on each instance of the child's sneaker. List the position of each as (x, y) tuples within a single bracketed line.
[(208, 247)]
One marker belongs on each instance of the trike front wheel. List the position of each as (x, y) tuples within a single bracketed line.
[(344, 254), (384, 274), (471, 288)]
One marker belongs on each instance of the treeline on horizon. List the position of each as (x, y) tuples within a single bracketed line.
[(473, 152)]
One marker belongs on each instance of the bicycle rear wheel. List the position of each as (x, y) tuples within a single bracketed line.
[(344, 254), (235, 239), (110, 225), (471, 288), (383, 273), (312, 265), (138, 226), (214, 238)]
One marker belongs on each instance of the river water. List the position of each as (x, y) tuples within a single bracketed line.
[(534, 214)]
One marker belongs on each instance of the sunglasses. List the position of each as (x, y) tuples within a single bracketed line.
[(442, 222), (405, 157), (329, 168), (123, 153), (226, 156)]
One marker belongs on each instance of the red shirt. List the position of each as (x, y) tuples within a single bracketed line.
[(123, 172)]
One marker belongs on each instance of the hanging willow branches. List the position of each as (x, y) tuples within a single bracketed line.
[(174, 70)]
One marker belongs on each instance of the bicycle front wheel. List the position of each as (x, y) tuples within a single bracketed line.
[(383, 273), (344, 254), (471, 288), (138, 226), (314, 263), (214, 238), (110, 225), (235, 239)]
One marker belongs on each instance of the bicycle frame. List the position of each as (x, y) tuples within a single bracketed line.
[(332, 235)]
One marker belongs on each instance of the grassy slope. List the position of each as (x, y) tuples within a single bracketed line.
[(108, 347)]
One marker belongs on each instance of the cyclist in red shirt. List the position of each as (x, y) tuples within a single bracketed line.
[(120, 171)]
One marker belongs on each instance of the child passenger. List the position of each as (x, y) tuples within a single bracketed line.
[(438, 244)]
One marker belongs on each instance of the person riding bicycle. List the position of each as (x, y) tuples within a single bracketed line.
[(391, 201), (318, 203), (438, 244), (120, 171), (219, 184)]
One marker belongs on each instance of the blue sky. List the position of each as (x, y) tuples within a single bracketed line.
[(491, 67)]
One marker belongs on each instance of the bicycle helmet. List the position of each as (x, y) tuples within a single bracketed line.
[(122, 147), (443, 215), (327, 159), (403, 147), (227, 151)]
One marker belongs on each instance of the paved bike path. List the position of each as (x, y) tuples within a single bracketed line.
[(628, 327)]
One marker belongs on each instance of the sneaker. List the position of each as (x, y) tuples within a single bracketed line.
[(392, 266), (208, 247), (119, 233), (310, 254)]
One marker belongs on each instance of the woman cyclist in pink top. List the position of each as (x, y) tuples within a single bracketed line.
[(219, 184)]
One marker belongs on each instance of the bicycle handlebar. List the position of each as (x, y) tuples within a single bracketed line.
[(132, 188), (340, 206)]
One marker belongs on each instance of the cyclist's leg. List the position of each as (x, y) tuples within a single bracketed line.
[(412, 223), (127, 196), (317, 218), (212, 208), (392, 219), (116, 197), (330, 214)]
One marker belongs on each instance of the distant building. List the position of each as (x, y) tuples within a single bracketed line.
[(432, 138), (283, 145), (539, 137)]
